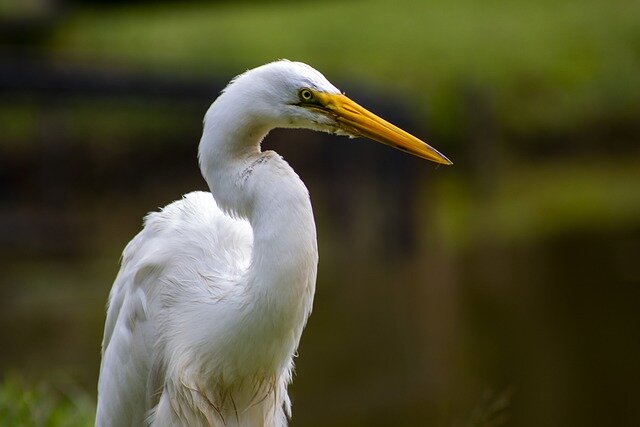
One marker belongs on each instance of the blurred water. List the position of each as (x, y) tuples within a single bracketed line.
[(425, 336)]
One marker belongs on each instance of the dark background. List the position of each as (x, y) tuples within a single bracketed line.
[(503, 290)]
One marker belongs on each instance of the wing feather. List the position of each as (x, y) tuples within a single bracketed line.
[(189, 241)]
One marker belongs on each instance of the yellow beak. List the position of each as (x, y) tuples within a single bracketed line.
[(359, 121)]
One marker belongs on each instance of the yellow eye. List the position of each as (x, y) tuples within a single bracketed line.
[(306, 95)]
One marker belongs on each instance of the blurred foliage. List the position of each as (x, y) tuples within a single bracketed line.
[(547, 65), (540, 201), (41, 405), (100, 125)]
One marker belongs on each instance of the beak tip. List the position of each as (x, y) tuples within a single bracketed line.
[(440, 158)]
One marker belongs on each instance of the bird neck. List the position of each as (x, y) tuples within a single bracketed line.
[(230, 143), (264, 189)]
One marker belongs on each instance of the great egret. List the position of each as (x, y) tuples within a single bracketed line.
[(213, 294)]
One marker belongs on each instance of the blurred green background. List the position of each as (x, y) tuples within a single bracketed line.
[(503, 290)]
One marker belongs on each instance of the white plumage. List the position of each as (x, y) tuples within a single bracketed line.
[(213, 294)]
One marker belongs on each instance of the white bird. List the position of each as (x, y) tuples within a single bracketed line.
[(212, 296)]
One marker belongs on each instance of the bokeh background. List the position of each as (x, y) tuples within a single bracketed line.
[(503, 290)]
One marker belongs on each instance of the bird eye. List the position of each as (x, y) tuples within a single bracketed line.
[(306, 95)]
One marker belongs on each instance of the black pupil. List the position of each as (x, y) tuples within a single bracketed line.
[(306, 94)]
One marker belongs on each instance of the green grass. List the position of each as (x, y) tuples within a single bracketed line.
[(41, 405), (544, 65)]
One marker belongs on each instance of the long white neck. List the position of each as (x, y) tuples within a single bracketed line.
[(262, 187)]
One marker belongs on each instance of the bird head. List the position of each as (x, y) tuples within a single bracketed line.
[(294, 95)]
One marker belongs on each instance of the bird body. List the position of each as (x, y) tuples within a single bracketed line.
[(212, 296)]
